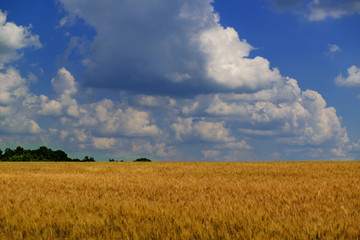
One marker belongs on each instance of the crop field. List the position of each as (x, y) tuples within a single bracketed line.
[(277, 200)]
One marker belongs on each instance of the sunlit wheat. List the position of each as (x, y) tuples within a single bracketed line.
[(293, 200)]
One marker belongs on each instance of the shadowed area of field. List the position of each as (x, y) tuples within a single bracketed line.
[(180, 200)]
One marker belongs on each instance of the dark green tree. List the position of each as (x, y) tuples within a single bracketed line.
[(41, 154), (19, 150), (142, 160), (8, 153)]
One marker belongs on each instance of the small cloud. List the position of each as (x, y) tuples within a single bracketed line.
[(64, 82), (68, 20), (63, 21), (333, 48), (353, 79)]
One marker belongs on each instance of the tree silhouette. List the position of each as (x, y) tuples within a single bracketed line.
[(142, 160), (41, 154)]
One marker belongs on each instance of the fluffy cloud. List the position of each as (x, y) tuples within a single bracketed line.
[(352, 80), (97, 125), (12, 86), (50, 107), (212, 131), (105, 119), (15, 116), (173, 46), (14, 38), (294, 117), (129, 122), (103, 143), (227, 61), (204, 130), (63, 83), (182, 127), (64, 86), (321, 125)]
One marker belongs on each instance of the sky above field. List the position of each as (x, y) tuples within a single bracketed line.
[(190, 80)]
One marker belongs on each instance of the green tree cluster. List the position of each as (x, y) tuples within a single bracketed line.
[(42, 154)]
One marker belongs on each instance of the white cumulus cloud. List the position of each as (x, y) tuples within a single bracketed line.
[(352, 80), (212, 131), (286, 113), (108, 119), (63, 83), (227, 61), (15, 117), (14, 38), (64, 86)]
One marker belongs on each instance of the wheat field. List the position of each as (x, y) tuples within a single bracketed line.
[(179, 200)]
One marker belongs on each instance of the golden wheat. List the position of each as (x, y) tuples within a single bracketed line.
[(293, 200)]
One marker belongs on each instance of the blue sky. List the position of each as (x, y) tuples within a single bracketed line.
[(183, 80)]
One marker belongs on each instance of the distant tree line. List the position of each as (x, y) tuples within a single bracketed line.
[(136, 160), (42, 154), (142, 160)]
